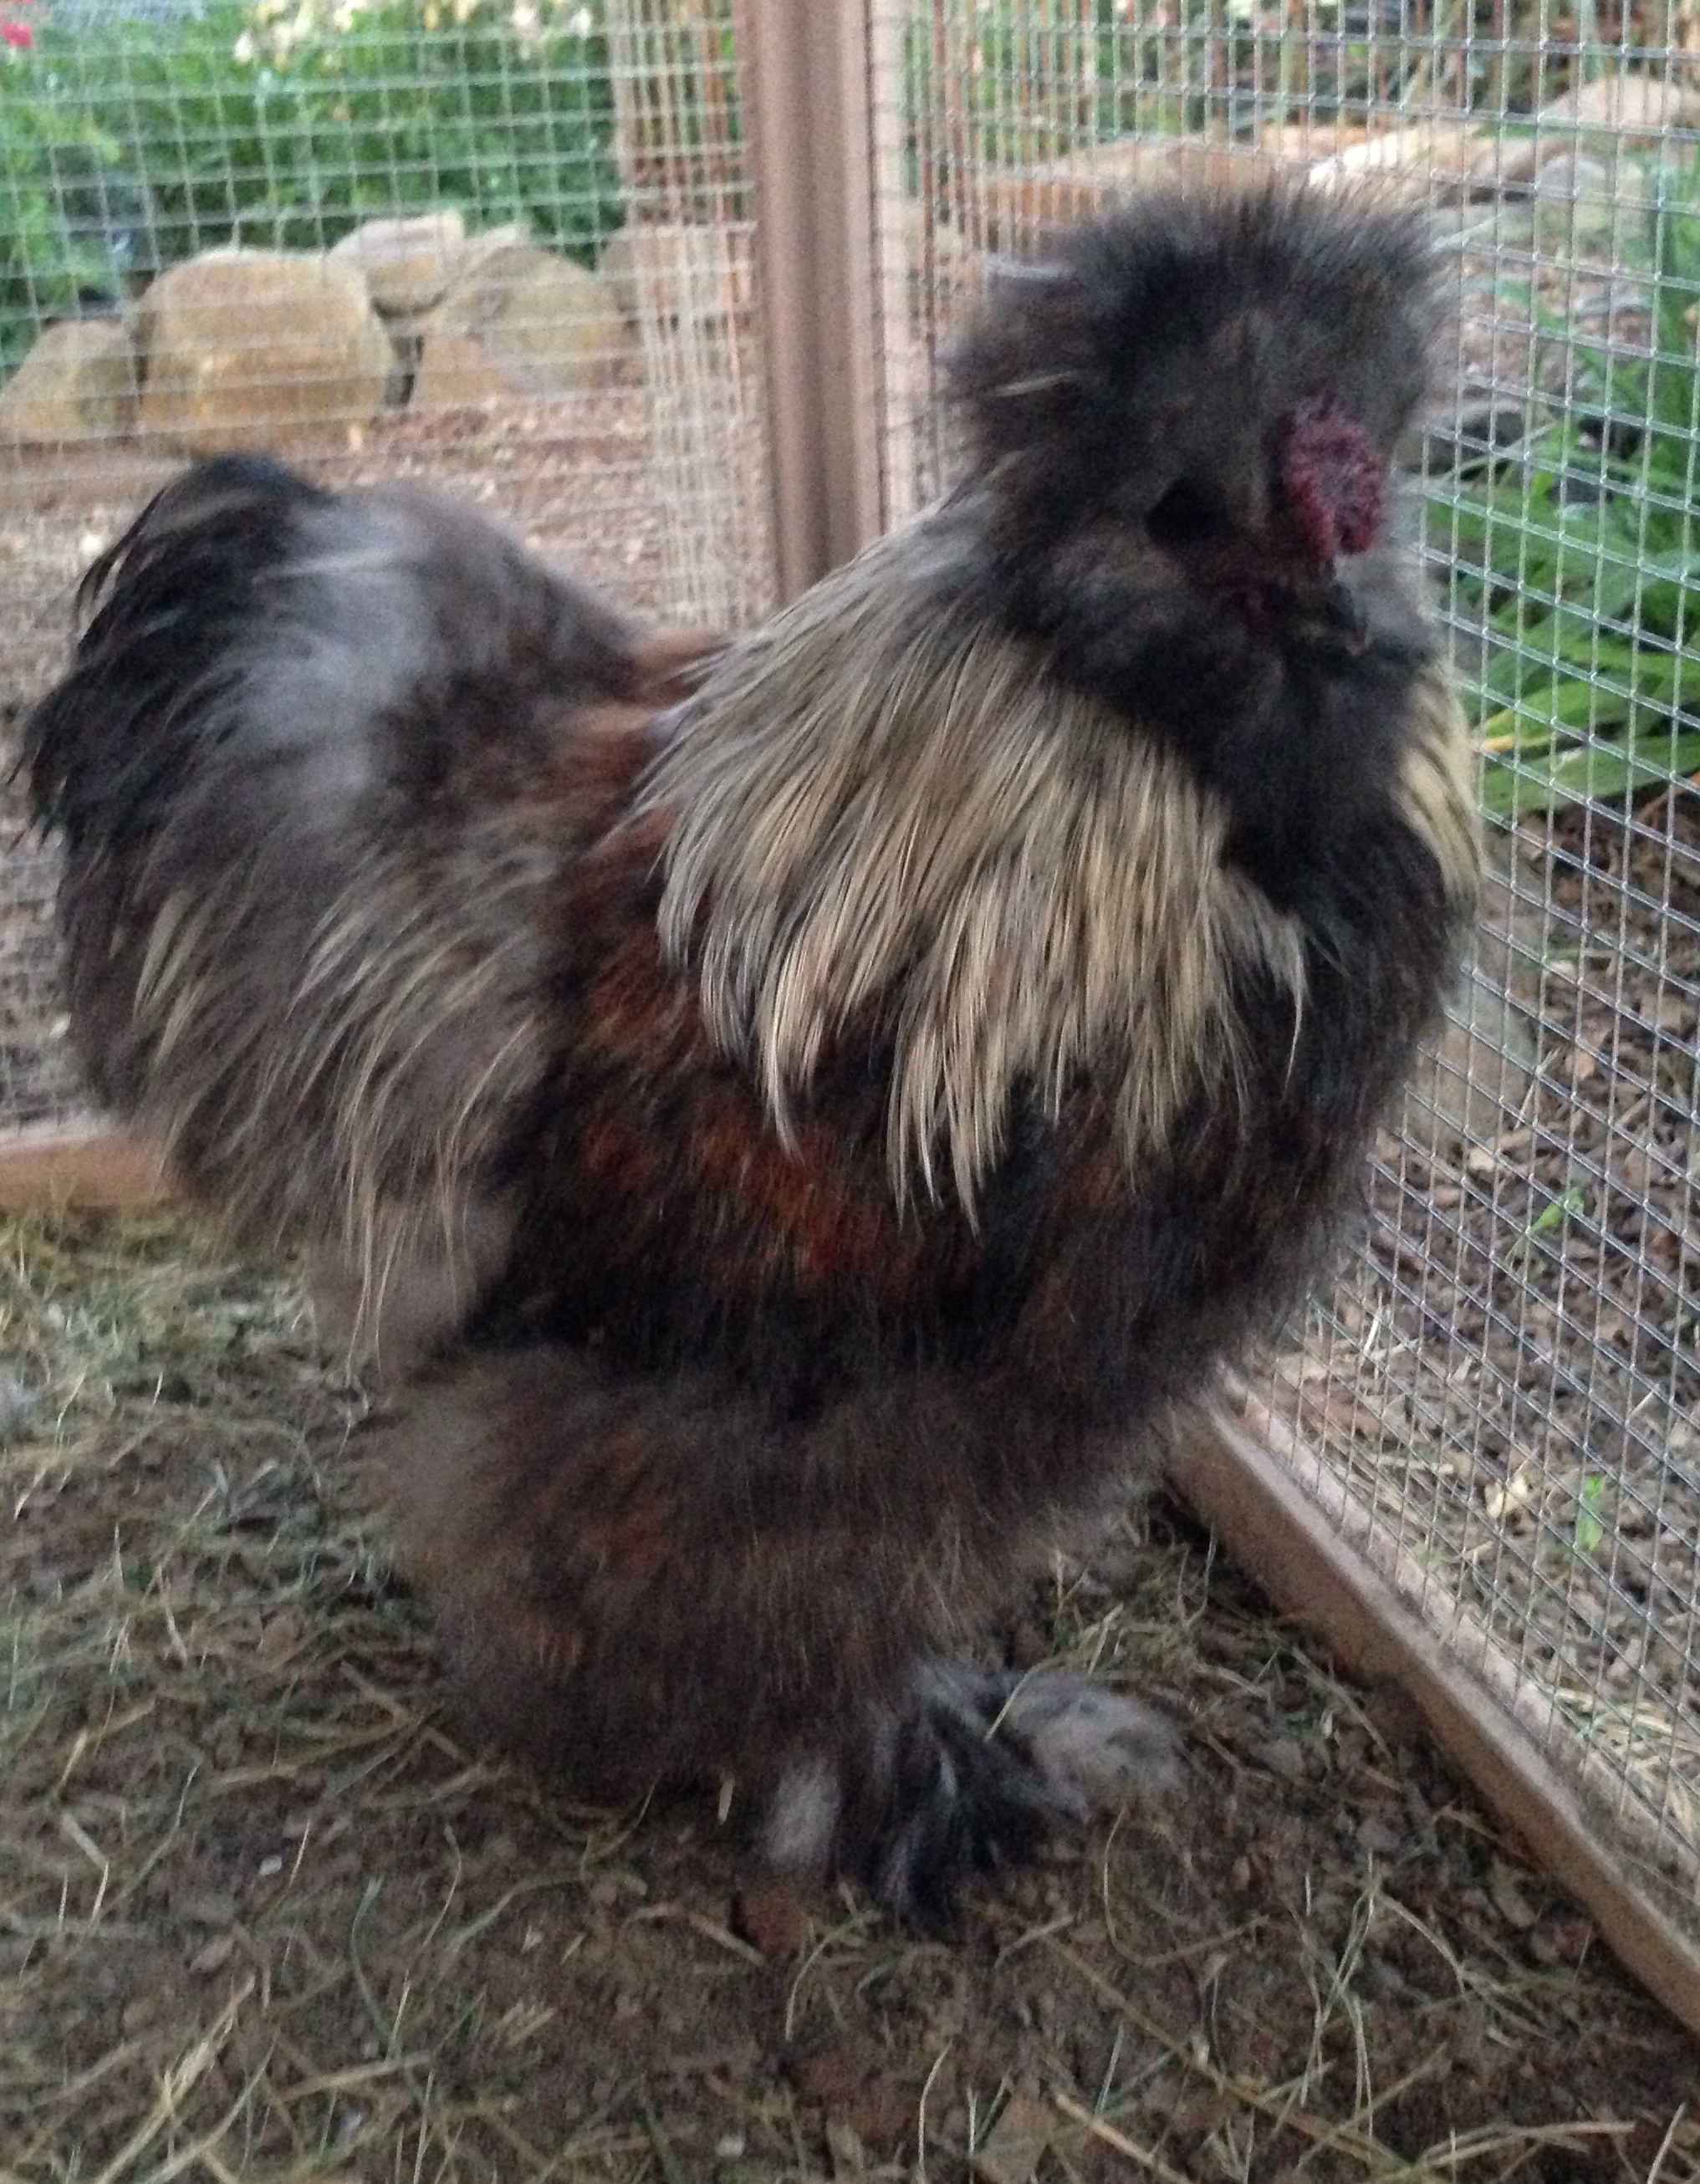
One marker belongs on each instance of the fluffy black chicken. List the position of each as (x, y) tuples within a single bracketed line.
[(821, 1123)]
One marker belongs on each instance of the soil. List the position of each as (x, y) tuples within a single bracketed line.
[(264, 1915)]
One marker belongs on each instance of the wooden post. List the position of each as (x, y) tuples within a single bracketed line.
[(804, 68)]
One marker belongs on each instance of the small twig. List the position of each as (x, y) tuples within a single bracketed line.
[(667, 2159), (176, 2084), (1665, 2144), (921, 2113), (700, 1923), (1107, 2134)]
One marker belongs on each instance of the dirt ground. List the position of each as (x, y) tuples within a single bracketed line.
[(264, 1915)]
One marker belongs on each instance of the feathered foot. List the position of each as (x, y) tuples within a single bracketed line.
[(973, 1777), (644, 1581)]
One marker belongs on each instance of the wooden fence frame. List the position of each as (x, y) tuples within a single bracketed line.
[(78, 1165), (1254, 1505), (807, 74)]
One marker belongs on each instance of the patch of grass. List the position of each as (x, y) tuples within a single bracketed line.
[(1580, 564)]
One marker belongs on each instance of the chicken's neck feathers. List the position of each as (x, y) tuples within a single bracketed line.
[(888, 817)]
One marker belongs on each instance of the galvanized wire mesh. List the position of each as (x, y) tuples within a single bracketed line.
[(1500, 1404), (502, 245)]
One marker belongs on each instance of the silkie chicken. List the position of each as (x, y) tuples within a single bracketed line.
[(806, 1117)]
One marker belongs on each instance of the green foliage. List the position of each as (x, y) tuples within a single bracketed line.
[(1591, 1531), (1018, 82), (1581, 568), (134, 145), (1572, 1205), (52, 252)]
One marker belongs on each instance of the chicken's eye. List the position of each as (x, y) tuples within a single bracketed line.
[(1186, 515)]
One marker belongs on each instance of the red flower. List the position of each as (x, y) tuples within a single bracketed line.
[(11, 33)]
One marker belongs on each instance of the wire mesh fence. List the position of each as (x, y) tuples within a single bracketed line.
[(1500, 1404), (500, 245)]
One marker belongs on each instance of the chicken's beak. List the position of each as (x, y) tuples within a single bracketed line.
[(1290, 593), (1319, 610)]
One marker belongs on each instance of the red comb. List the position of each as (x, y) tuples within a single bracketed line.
[(1333, 478)]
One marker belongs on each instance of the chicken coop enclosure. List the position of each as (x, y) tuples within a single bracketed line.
[(668, 283)]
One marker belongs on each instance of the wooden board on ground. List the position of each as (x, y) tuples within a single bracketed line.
[(90, 1164)]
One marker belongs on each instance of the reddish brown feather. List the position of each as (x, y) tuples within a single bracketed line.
[(714, 1188)]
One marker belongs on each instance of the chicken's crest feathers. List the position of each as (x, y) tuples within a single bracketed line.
[(1228, 311)]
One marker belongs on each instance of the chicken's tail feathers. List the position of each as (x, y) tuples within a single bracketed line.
[(237, 503), (163, 611), (307, 769), (261, 652)]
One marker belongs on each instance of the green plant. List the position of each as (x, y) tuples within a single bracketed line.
[(1572, 1205), (1580, 569), (132, 146), (52, 260), (408, 106), (1591, 1530)]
